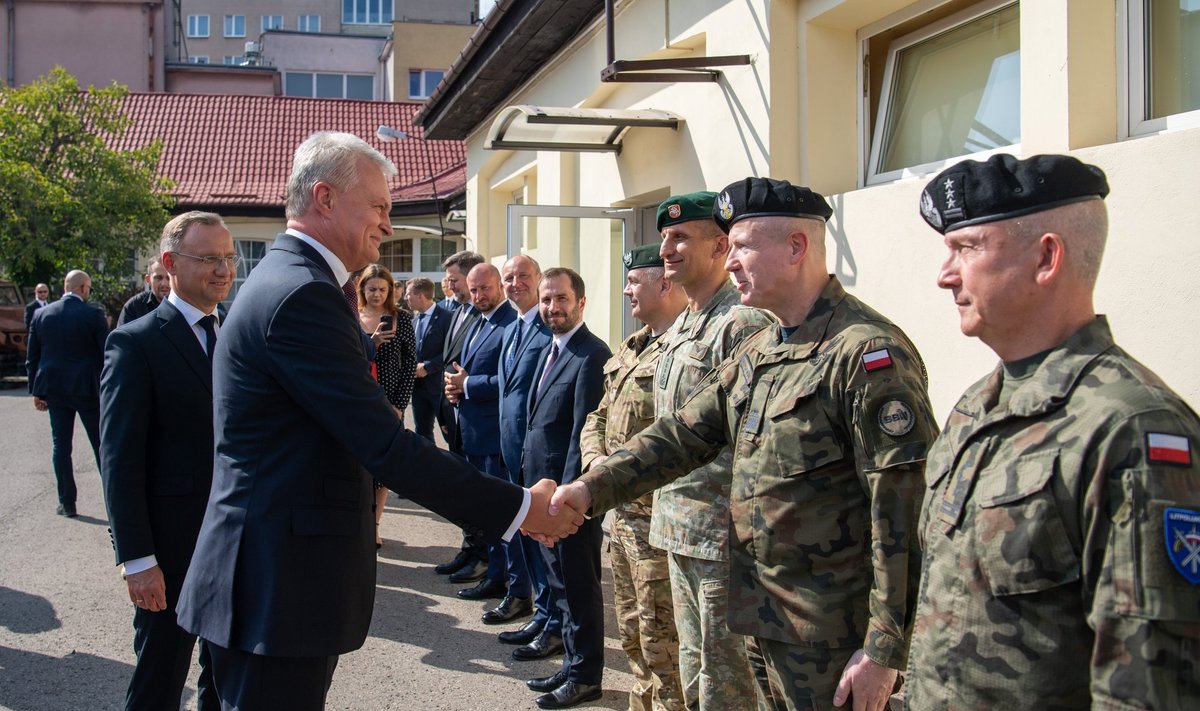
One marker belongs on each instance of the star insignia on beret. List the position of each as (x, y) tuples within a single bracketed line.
[(725, 206)]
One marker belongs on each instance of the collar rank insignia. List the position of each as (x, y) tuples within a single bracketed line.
[(1164, 448), (1182, 529), (877, 360)]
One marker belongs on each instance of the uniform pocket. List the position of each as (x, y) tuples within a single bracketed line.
[(1021, 539), (801, 436)]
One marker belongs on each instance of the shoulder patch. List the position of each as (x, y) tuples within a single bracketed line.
[(877, 360), (1182, 529), (896, 418), (1168, 448)]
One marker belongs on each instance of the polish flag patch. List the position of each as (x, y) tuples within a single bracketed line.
[(877, 360), (1174, 449)]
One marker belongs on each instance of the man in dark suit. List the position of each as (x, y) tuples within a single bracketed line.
[(63, 360), (474, 388), (524, 340), (156, 445), (429, 325), (283, 577), (569, 387), (158, 285), (470, 563), (41, 297)]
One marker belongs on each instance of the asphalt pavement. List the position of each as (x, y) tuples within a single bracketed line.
[(66, 635)]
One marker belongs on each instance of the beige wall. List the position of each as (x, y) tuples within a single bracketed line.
[(122, 43), (795, 113), (422, 45)]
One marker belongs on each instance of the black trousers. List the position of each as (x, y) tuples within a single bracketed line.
[(62, 436), (164, 657), (425, 408), (254, 682)]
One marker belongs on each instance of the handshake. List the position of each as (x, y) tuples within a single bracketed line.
[(555, 512)]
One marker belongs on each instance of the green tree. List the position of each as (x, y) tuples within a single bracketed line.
[(73, 195)]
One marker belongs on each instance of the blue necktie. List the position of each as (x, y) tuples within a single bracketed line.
[(420, 330), (514, 346)]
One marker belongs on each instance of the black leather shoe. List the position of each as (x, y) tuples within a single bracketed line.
[(452, 566), (528, 632), (571, 693), (484, 590), (471, 571), (64, 510), (544, 645), (510, 608), (542, 684)]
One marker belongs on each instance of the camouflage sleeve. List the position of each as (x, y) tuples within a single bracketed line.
[(892, 428), (592, 440), (666, 450), (1141, 563)]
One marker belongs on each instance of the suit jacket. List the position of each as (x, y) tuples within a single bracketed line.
[(515, 385), (66, 351), (30, 308), (573, 390), (138, 305), (285, 562), (453, 346), (479, 414), (430, 353), (156, 440)]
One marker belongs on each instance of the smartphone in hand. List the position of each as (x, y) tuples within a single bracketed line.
[(387, 322)]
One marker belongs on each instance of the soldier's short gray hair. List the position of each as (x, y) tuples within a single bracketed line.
[(328, 157), (1083, 227)]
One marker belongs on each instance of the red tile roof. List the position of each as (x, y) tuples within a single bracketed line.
[(231, 151)]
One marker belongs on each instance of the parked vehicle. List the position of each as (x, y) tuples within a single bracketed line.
[(12, 330)]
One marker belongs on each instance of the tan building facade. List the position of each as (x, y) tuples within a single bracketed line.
[(864, 100)]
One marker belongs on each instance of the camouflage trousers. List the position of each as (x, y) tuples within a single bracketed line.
[(646, 622), (795, 678), (712, 660)]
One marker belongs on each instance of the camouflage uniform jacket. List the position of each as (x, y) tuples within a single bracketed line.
[(626, 409), (830, 430), (1048, 581), (691, 514)]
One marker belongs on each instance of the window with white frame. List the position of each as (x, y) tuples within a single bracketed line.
[(235, 25), (945, 86), (329, 86), (309, 23), (272, 22), (366, 12), (197, 26), (422, 82), (197, 59), (232, 59), (1163, 64), (408, 257), (251, 252)]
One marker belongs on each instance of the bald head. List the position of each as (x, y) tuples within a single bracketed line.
[(521, 275), (79, 283), (483, 283)]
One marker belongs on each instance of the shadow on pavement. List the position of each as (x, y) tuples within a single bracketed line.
[(23, 613), (76, 681)]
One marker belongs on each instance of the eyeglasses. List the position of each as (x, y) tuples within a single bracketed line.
[(231, 261)]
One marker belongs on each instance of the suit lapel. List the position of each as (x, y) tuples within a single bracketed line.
[(183, 339), (565, 362)]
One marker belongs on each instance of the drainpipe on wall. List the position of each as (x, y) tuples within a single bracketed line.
[(12, 37)]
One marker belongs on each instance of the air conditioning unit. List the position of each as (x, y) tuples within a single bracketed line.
[(252, 55)]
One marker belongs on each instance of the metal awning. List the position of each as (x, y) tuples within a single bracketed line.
[(547, 128)]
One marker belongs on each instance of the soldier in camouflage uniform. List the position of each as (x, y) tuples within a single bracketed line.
[(691, 515), (641, 585), (830, 421), (1061, 525)]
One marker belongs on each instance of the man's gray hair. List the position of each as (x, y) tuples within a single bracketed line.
[(331, 158), (1083, 227), (174, 231)]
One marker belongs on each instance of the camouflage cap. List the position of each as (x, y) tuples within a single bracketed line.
[(767, 197), (684, 208), (1003, 187), (643, 256)]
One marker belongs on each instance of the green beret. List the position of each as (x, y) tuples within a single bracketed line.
[(1003, 187), (644, 256), (684, 208)]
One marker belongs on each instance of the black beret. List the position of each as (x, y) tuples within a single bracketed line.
[(644, 256), (1003, 187), (767, 197), (684, 208)]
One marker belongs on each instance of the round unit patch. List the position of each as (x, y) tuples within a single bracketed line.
[(896, 418)]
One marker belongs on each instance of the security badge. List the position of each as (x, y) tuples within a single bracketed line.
[(1182, 529)]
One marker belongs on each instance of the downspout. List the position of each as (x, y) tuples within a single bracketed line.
[(12, 37)]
